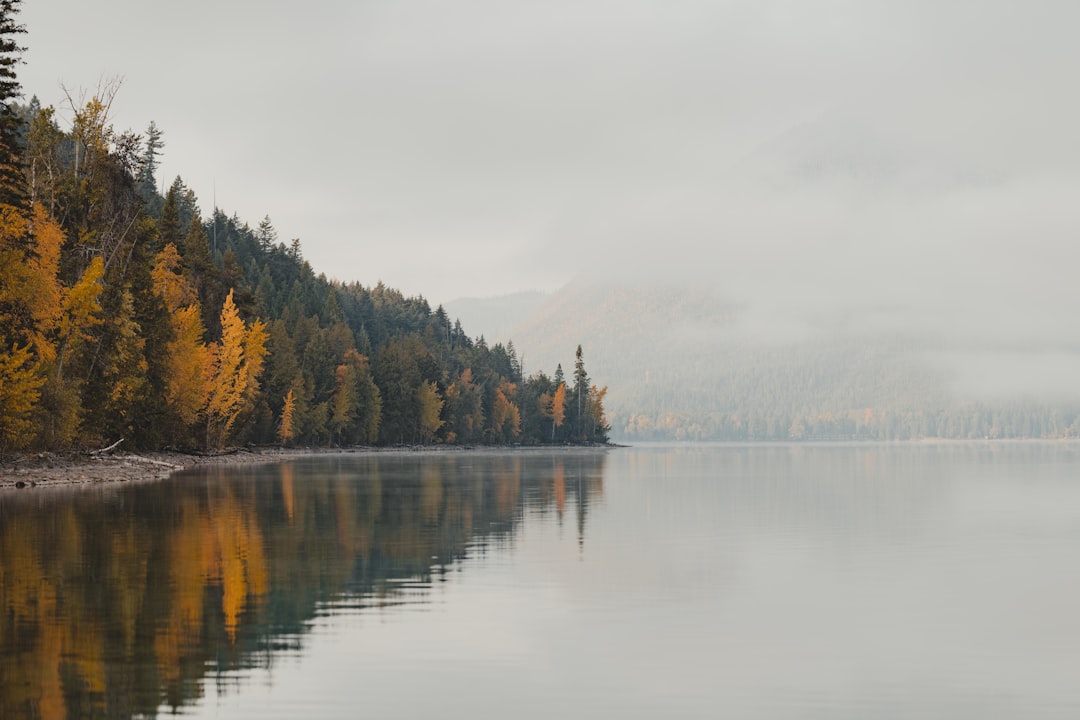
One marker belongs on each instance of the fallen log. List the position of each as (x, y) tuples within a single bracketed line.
[(109, 449), (151, 461)]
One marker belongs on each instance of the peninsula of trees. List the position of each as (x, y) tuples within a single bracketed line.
[(126, 314)]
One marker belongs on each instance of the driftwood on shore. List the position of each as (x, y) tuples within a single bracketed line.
[(152, 461), (106, 450)]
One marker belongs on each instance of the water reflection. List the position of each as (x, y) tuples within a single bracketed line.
[(117, 601)]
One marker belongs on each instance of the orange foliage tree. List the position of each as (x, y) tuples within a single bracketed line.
[(237, 361)]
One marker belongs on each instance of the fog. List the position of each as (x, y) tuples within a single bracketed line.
[(828, 167)]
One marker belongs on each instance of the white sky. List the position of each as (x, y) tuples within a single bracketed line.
[(825, 153)]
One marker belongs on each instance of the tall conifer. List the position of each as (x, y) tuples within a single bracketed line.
[(12, 181)]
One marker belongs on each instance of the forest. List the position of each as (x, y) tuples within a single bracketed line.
[(127, 314)]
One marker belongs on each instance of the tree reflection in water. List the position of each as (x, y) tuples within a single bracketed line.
[(118, 600)]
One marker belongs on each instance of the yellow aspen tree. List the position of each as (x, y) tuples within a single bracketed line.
[(19, 384), (254, 356), (505, 416), (44, 293), (558, 409), (595, 413), (31, 296), (188, 381), (80, 310), (343, 404), (175, 289), (228, 376), (356, 404), (286, 431), (430, 404), (237, 362)]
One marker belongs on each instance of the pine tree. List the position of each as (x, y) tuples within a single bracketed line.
[(146, 184), (12, 180), (581, 392)]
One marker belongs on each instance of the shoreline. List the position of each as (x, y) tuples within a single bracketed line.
[(45, 470), (72, 470)]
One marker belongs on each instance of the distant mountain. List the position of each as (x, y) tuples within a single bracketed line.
[(683, 363), (494, 317)]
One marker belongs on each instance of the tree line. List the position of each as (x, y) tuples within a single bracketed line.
[(124, 313)]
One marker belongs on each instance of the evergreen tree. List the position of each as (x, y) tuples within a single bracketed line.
[(148, 165), (580, 394), (12, 181)]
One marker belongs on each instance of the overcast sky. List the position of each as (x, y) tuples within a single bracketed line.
[(920, 159)]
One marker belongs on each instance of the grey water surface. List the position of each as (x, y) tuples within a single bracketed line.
[(756, 581)]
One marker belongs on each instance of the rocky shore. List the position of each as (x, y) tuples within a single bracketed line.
[(51, 469)]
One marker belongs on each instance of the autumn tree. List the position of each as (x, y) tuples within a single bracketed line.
[(505, 415), (286, 429), (236, 363), (356, 403), (19, 383), (553, 407), (430, 404), (597, 428)]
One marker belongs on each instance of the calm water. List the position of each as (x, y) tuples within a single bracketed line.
[(716, 581)]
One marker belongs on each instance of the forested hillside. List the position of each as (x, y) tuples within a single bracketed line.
[(128, 314), (685, 364)]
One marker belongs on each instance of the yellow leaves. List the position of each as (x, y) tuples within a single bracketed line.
[(80, 305), (45, 293), (255, 353), (505, 416), (19, 384), (286, 431), (169, 283), (430, 404), (188, 380), (12, 226), (229, 375), (91, 126), (30, 292), (30, 298), (558, 405), (594, 410), (554, 407), (236, 363)]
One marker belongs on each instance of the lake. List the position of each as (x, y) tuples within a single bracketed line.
[(755, 581)]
